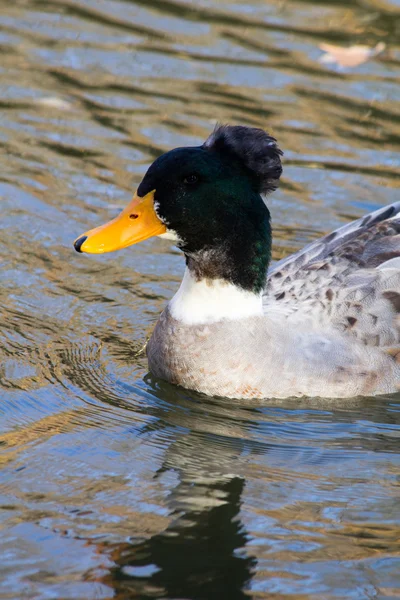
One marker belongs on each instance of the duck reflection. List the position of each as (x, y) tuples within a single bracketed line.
[(201, 554)]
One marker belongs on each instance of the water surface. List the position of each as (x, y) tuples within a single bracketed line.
[(114, 484)]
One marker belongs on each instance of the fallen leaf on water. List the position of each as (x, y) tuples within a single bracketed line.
[(351, 56)]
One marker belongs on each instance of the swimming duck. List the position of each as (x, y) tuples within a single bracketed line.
[(323, 322)]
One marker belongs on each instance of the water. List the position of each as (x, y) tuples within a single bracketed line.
[(116, 485)]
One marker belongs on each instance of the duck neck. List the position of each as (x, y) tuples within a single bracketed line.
[(223, 283), (240, 251), (226, 281)]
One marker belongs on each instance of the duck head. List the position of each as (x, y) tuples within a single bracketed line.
[(208, 200)]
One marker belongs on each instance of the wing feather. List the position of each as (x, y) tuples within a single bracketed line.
[(348, 280)]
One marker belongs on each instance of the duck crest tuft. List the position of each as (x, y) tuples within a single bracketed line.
[(255, 149)]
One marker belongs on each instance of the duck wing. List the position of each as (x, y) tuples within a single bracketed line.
[(348, 280)]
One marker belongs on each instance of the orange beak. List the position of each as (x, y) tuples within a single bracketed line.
[(137, 222)]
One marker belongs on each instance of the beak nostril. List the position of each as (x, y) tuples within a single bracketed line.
[(133, 216)]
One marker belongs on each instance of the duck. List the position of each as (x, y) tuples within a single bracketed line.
[(323, 322)]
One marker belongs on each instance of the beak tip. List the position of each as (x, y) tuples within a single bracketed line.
[(79, 243)]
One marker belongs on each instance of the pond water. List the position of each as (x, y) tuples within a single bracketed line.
[(114, 484)]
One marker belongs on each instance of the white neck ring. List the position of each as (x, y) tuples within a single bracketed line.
[(208, 301)]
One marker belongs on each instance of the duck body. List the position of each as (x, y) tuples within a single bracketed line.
[(323, 322), (260, 361), (323, 327)]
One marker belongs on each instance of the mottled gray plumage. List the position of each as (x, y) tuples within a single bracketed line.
[(331, 326), (349, 280)]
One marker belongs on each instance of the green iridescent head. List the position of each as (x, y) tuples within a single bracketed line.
[(209, 199)]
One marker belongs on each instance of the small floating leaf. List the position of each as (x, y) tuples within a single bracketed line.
[(351, 56)]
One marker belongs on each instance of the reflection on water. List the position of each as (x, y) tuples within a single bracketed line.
[(202, 552), (114, 485)]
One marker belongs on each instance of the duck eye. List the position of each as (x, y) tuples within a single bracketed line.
[(190, 179)]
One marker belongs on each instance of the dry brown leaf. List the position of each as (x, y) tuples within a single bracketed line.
[(351, 56)]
